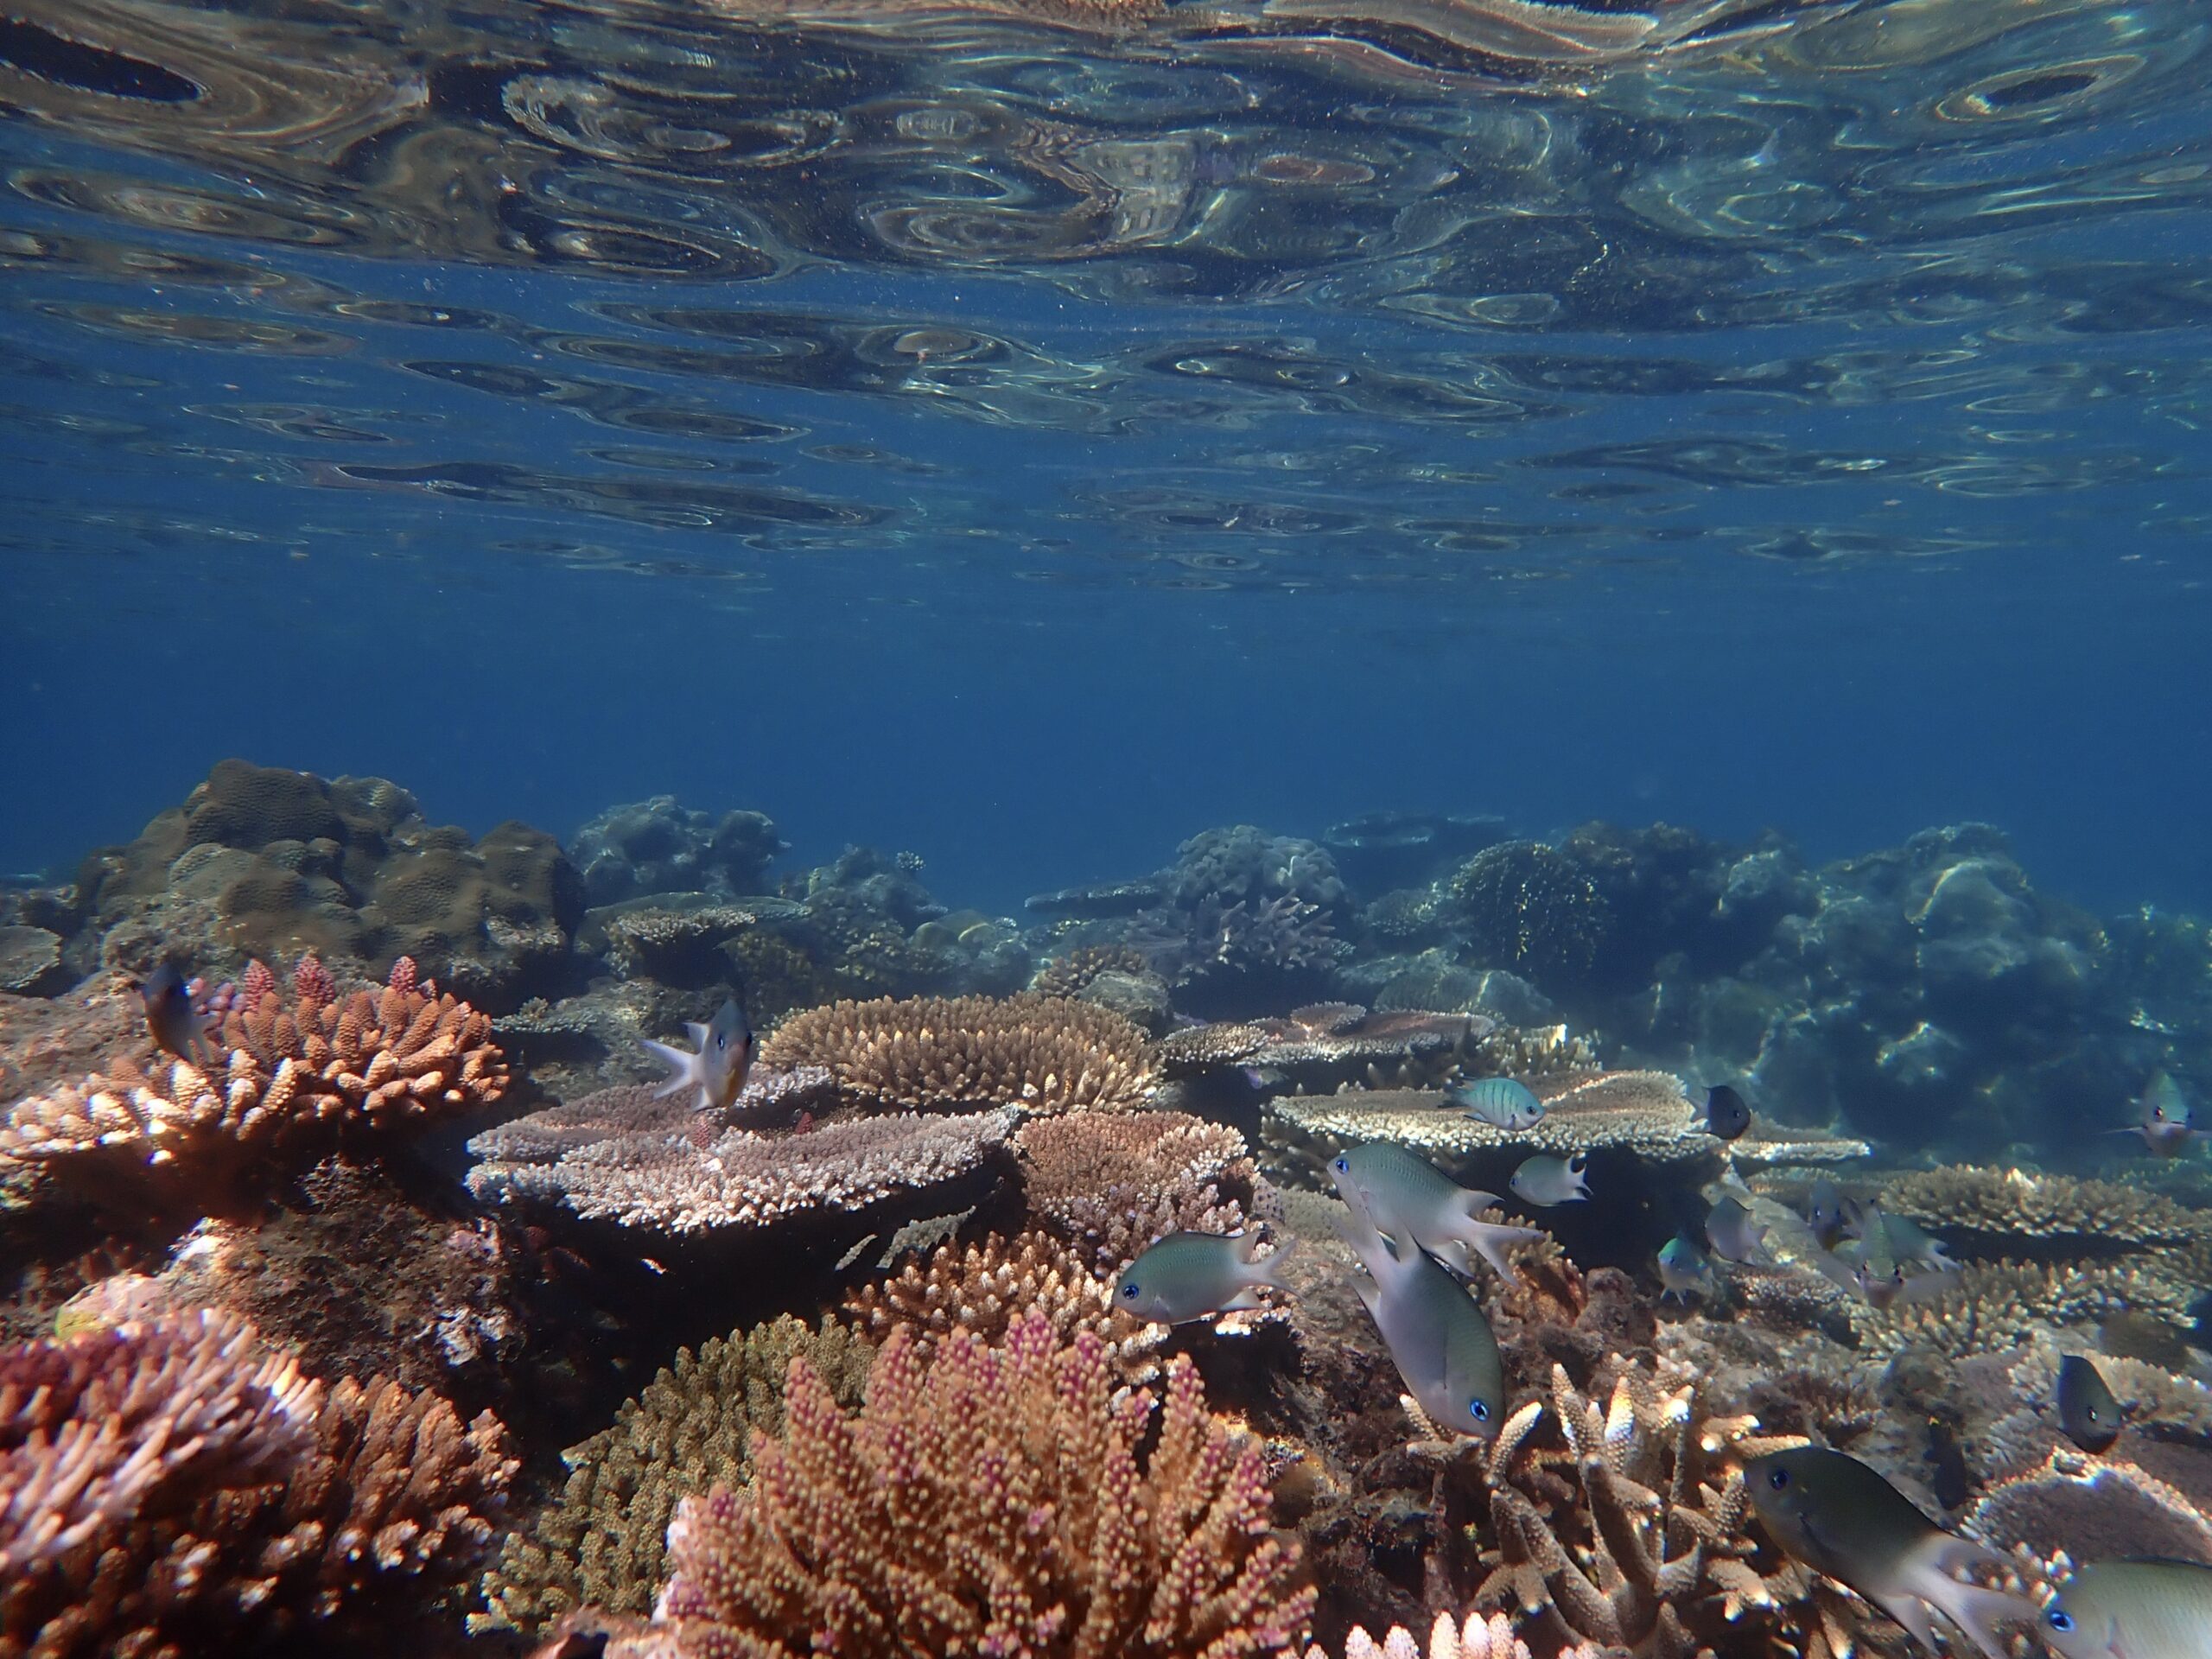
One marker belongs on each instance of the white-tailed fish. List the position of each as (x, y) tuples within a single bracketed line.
[(1735, 1237), (1406, 1194), (1545, 1180), (1437, 1337), (718, 1069), (1842, 1518), (1502, 1102), (2132, 1610), (1189, 1276)]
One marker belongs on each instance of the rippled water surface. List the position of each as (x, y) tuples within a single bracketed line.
[(1113, 420)]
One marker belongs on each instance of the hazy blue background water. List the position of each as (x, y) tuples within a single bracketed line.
[(1031, 452)]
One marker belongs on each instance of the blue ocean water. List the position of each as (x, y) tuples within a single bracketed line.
[(1026, 442)]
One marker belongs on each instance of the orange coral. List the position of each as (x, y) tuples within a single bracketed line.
[(1115, 1184), (989, 1500)]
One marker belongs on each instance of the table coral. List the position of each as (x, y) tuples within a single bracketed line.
[(172, 1483), (939, 1055), (1115, 1183), (300, 1076), (2016, 1213), (623, 1155), (602, 1541), (989, 1499)]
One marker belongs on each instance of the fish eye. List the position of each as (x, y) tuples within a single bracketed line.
[(2061, 1620), (1130, 1292), (1343, 1165), (1777, 1479), (1481, 1411)]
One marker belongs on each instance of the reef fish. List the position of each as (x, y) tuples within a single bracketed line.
[(1499, 1102), (718, 1069), (2133, 1610), (1842, 1518), (1189, 1276), (1683, 1267), (1546, 1180), (1735, 1237), (172, 1020), (1725, 1113), (1824, 1213), (1437, 1337), (2087, 1410), (2167, 1125), (1402, 1193)]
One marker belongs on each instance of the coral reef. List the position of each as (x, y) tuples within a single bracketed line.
[(1114, 1184), (1473, 1637), (301, 1076), (1071, 973), (601, 1543), (1522, 905), (623, 1155), (656, 846), (987, 1497), (172, 1481), (1327, 1045), (935, 1054)]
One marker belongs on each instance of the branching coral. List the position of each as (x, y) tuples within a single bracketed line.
[(1329, 1044), (170, 1482), (1068, 975), (938, 1054), (1996, 1307), (1114, 1184), (602, 1541), (2093, 1508), (985, 1289), (1474, 1638), (987, 1499), (643, 1162), (2011, 1212), (300, 1076)]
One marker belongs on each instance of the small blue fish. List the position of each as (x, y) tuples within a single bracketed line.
[(718, 1069), (1544, 1180), (2167, 1125), (1683, 1269), (1438, 1338), (173, 1021), (1499, 1102), (1189, 1276)]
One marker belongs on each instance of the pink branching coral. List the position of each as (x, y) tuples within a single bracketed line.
[(170, 1485), (989, 1500), (1115, 1184), (298, 1076)]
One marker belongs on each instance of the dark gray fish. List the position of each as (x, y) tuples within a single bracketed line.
[(2087, 1410), (718, 1069), (1735, 1237), (1724, 1114), (1842, 1518), (172, 1020), (2132, 1610), (1189, 1276)]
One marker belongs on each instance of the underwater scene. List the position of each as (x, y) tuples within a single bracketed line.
[(1055, 829)]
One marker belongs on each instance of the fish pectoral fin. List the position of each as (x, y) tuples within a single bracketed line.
[(1911, 1612), (1243, 1299), (1369, 1293)]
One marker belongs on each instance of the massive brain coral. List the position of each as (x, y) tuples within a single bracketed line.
[(956, 1054), (297, 1076)]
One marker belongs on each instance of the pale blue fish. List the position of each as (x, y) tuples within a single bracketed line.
[(1502, 1102), (2168, 1126), (718, 1069), (1437, 1337), (1407, 1194), (2139, 1609), (1842, 1518), (1545, 1180), (1683, 1267), (1189, 1276), (1735, 1237)]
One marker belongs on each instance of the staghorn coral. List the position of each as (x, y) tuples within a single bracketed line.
[(1474, 1638), (989, 1499), (301, 1076), (1994, 1307), (1114, 1184), (939, 1055), (601, 1543), (1622, 1527), (985, 1289), (623, 1155), (1070, 974), (171, 1482)]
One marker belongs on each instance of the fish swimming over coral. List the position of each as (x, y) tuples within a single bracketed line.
[(1403, 1193), (2167, 1125), (2087, 1410), (718, 1069), (1438, 1338), (1841, 1517), (2133, 1610), (1724, 1114), (1683, 1267), (1188, 1276), (1545, 1180), (1735, 1237), (1502, 1102), (171, 1018), (1825, 1213)]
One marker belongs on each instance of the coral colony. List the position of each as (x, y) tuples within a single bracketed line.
[(1130, 1277)]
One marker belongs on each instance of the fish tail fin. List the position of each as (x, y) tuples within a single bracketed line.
[(684, 1068), (1271, 1271), (1976, 1610), (1490, 1241)]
